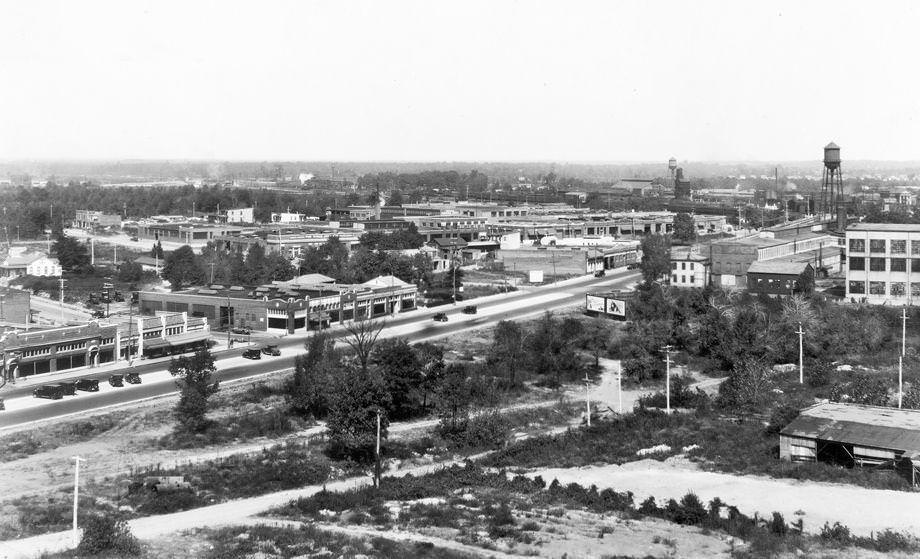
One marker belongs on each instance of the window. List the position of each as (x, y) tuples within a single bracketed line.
[(898, 246), (691, 265), (674, 278), (683, 279), (915, 289), (858, 263), (897, 288), (683, 265), (915, 248), (692, 278), (859, 245), (915, 264), (877, 264), (898, 265), (876, 288), (859, 287), (876, 245), (673, 265)]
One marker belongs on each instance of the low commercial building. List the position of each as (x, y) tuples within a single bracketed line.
[(192, 234), (883, 263), (689, 268), (854, 435), (35, 352), (731, 258), (773, 277), (288, 307), (20, 262), (92, 220)]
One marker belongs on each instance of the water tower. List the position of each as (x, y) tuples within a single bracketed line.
[(672, 167), (832, 206)]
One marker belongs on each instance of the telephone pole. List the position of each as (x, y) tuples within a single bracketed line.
[(800, 332), (903, 332), (667, 377), (620, 385), (76, 497), (900, 380), (377, 455), (62, 300), (588, 396)]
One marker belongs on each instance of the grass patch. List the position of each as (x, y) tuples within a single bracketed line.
[(27, 443)]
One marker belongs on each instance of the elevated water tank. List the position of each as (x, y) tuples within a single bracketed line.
[(832, 156)]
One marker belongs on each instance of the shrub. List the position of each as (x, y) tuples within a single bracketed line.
[(486, 430), (838, 534), (777, 525), (782, 416), (102, 533)]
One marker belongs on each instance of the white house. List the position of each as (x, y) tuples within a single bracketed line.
[(688, 268), (22, 263), (240, 215)]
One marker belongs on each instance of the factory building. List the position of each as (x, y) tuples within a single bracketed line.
[(883, 263), (731, 258)]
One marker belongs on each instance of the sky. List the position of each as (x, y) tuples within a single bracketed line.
[(567, 81)]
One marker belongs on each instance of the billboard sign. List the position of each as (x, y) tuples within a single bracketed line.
[(595, 303), (616, 307)]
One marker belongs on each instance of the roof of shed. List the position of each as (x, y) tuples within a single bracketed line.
[(872, 426), (777, 267)]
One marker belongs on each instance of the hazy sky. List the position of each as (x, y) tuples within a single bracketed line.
[(465, 80)]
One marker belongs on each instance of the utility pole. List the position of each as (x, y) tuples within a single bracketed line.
[(228, 321), (130, 327), (62, 300), (620, 385), (900, 380), (800, 332), (92, 251), (903, 332), (667, 377), (588, 396), (212, 272), (377, 456), (76, 496)]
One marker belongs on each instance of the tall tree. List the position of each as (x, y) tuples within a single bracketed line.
[(401, 371), (357, 400), (507, 351), (194, 379), (362, 338), (72, 255), (684, 228), (311, 386), (656, 257), (182, 268)]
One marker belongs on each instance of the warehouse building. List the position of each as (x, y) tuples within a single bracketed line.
[(775, 277), (285, 307), (853, 435)]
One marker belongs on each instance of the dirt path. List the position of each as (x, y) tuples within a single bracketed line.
[(815, 502)]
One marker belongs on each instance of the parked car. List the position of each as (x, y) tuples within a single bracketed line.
[(117, 380), (252, 354), (469, 309), (132, 378), (87, 385), (69, 388), (271, 349), (632, 265), (440, 317), (600, 274), (50, 391), (241, 330), (2, 405), (99, 314), (133, 239)]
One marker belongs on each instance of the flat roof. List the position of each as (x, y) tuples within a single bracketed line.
[(904, 227), (777, 267), (872, 426)]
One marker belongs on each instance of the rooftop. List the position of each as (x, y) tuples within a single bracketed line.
[(873, 426), (687, 253), (902, 227), (777, 267)]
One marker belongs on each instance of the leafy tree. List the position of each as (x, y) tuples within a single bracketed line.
[(595, 338), (507, 351), (182, 268), (747, 387), (72, 255), (656, 257), (864, 389), (254, 271), (398, 365), (311, 386), (129, 271), (194, 379), (104, 534), (431, 359), (352, 421), (805, 283), (684, 228), (455, 398), (278, 268)]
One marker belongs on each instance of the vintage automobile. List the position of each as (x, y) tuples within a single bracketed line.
[(252, 354)]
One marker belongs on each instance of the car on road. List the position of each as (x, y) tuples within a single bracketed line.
[(50, 391), (252, 354), (69, 388), (470, 309), (2, 405), (117, 380), (246, 331), (271, 349), (440, 317), (87, 385), (99, 314), (133, 239), (132, 378), (632, 265), (600, 273)]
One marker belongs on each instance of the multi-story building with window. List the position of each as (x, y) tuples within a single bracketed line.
[(883, 263), (689, 268)]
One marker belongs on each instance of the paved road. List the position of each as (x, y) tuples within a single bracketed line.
[(416, 326)]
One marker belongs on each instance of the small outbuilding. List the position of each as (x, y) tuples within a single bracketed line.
[(854, 435), (778, 278)]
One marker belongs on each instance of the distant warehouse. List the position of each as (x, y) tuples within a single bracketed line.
[(853, 435)]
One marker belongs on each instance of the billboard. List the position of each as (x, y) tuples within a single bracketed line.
[(609, 304), (535, 276), (595, 303)]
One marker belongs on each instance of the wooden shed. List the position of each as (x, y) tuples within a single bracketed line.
[(853, 435)]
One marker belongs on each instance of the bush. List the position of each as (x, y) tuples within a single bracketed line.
[(838, 534), (103, 533), (782, 416), (485, 430)]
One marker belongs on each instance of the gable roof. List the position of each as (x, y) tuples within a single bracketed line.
[(873, 426), (25, 259), (386, 281), (774, 267)]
